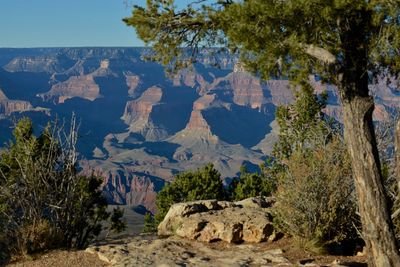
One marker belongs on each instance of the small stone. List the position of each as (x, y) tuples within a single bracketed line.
[(276, 251), (362, 253), (275, 258), (337, 263), (187, 255)]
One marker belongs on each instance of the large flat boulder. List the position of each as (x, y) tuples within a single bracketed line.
[(210, 220)]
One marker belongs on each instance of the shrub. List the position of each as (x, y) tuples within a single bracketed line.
[(251, 185), (44, 201), (205, 183), (315, 194), (150, 225), (117, 225), (302, 124), (315, 200)]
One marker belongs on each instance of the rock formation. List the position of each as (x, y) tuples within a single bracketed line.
[(139, 127), (43, 63), (132, 81), (8, 106), (211, 220), (197, 123), (137, 112), (76, 86), (2, 96), (129, 186), (242, 88), (192, 79)]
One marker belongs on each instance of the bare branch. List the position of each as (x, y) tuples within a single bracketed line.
[(320, 53)]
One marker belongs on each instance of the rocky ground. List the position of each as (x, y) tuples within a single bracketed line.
[(149, 250), (175, 251), (201, 233)]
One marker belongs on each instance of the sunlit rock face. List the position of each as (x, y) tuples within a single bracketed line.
[(76, 86)]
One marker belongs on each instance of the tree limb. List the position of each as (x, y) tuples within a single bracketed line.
[(319, 53)]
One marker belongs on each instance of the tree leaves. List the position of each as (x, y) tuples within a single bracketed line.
[(268, 32), (204, 183)]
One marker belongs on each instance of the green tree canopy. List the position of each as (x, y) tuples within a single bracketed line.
[(204, 183), (251, 184), (301, 122)]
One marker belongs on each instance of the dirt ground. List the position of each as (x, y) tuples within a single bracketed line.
[(298, 255), (59, 258)]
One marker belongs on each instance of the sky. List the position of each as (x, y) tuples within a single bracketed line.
[(67, 23)]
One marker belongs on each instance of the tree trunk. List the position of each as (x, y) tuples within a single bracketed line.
[(397, 152), (375, 217)]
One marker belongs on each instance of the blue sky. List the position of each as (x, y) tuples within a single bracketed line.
[(66, 23)]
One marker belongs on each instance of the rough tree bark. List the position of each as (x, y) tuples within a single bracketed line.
[(359, 135), (397, 152), (375, 216)]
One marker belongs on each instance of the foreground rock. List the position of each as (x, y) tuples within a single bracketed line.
[(174, 251), (142, 251), (211, 220)]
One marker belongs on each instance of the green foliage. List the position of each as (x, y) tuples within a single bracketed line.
[(168, 31), (44, 201), (150, 225), (88, 207), (315, 198), (251, 185), (117, 224), (205, 183), (315, 194), (293, 38), (300, 122)]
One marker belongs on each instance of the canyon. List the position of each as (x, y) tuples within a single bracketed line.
[(139, 127)]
